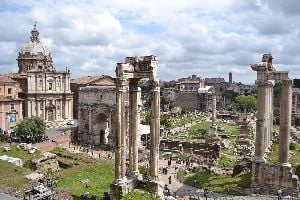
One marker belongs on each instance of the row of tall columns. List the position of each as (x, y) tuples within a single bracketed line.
[(285, 121), (264, 123), (121, 131), (155, 131)]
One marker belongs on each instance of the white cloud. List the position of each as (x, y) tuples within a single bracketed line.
[(207, 38)]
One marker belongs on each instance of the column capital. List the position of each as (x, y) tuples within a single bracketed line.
[(133, 84), (286, 82), (270, 83)]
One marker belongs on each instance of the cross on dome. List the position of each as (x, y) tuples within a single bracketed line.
[(34, 34)]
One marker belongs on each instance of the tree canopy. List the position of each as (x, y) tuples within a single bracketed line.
[(31, 127), (246, 102)]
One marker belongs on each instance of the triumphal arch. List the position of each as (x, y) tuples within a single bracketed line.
[(264, 175), (128, 75)]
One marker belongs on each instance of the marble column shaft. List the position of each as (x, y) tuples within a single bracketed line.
[(214, 109), (119, 145), (133, 126), (260, 123), (268, 112), (285, 121), (155, 132)]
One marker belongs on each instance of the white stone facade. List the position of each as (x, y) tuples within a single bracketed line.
[(46, 92)]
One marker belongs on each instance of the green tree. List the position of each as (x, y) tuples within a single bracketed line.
[(246, 102), (31, 127)]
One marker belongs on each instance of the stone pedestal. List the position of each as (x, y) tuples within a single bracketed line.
[(156, 188)]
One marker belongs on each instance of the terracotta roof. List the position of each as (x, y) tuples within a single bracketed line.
[(5, 78), (94, 80)]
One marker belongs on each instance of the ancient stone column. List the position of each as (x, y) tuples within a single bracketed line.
[(155, 131), (271, 92), (133, 126), (118, 136), (124, 138), (260, 123), (214, 109), (285, 121), (268, 112)]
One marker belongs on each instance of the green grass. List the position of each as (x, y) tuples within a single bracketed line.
[(99, 173), (230, 128), (295, 158), (227, 161), (139, 194), (218, 183), (22, 154), (273, 156), (181, 122), (12, 176)]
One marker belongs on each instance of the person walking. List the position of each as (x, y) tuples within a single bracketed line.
[(170, 179), (279, 194)]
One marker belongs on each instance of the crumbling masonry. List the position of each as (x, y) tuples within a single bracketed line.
[(264, 175), (128, 74)]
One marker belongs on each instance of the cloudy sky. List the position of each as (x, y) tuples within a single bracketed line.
[(206, 38)]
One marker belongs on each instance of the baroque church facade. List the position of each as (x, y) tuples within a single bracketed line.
[(46, 92)]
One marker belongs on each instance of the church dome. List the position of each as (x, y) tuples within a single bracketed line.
[(34, 46), (34, 56)]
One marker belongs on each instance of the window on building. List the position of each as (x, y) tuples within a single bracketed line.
[(0, 90), (9, 91), (50, 86), (12, 106)]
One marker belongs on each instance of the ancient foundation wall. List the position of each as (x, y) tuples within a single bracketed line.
[(274, 176), (187, 100), (203, 149)]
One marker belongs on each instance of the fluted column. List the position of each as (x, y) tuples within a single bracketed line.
[(133, 126), (119, 146), (285, 121), (155, 131), (260, 123)]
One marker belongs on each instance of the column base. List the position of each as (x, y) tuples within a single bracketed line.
[(259, 159), (156, 187), (285, 164)]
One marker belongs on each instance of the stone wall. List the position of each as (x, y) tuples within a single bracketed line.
[(203, 149), (266, 175), (187, 101)]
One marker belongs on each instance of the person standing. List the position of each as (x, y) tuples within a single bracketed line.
[(279, 194)]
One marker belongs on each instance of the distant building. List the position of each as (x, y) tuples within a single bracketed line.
[(189, 94), (96, 114), (220, 87), (46, 92), (230, 78), (10, 104), (101, 80)]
